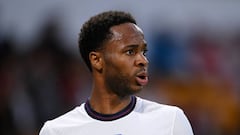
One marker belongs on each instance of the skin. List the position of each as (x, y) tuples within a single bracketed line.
[(117, 67)]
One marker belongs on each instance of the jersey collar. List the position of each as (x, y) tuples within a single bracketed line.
[(110, 117)]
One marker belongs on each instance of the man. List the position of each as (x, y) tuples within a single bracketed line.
[(113, 48)]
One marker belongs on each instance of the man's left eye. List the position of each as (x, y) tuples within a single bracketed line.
[(145, 52)]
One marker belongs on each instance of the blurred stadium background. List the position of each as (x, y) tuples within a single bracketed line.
[(194, 52)]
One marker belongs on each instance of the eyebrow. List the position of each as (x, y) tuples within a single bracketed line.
[(136, 46)]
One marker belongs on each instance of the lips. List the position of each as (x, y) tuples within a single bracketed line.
[(142, 78)]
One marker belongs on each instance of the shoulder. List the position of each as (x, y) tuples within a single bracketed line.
[(144, 105), (172, 116), (67, 117), (168, 113), (75, 116)]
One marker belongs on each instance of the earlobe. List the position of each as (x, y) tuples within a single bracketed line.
[(96, 60)]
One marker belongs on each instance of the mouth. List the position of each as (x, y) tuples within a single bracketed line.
[(142, 78)]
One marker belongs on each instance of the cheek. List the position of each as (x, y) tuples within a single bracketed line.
[(114, 67), (118, 64)]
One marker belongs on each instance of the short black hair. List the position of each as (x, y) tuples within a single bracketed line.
[(97, 30)]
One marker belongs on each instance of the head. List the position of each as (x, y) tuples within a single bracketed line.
[(113, 46)]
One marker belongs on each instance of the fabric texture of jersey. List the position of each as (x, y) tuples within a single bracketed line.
[(140, 117)]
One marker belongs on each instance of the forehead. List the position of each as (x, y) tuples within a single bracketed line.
[(127, 33)]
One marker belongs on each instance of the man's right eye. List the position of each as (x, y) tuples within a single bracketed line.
[(130, 52)]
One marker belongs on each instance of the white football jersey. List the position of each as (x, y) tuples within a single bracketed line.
[(140, 117)]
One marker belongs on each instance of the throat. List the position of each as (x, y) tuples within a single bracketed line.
[(110, 105), (109, 112)]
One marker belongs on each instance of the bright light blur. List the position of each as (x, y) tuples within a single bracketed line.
[(194, 51)]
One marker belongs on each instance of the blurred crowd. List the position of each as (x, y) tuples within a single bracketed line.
[(198, 72)]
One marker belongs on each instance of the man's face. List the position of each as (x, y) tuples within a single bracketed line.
[(125, 63)]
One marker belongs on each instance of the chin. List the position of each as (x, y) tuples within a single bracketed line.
[(129, 92), (137, 89)]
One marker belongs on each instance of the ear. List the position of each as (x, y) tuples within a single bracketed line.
[(96, 60)]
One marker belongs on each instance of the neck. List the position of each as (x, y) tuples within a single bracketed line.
[(107, 103), (103, 100)]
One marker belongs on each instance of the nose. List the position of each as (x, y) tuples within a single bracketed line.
[(142, 60)]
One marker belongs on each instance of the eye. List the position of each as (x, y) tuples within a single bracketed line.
[(145, 52), (130, 52)]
